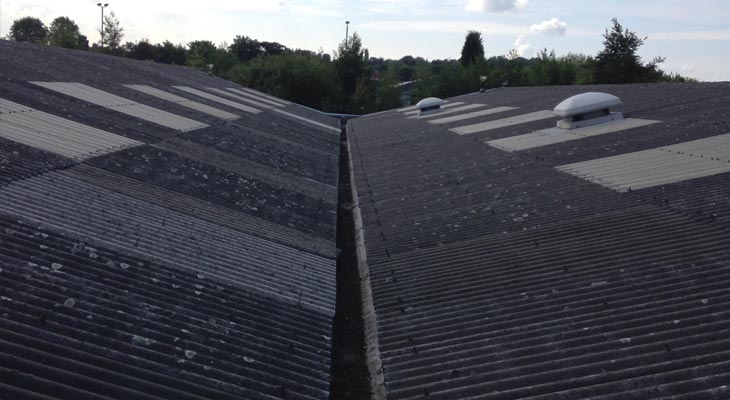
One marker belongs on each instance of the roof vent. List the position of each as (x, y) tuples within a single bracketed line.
[(587, 109), (429, 105)]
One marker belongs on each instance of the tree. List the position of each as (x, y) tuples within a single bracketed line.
[(64, 32), (618, 61), (113, 33), (169, 53), (245, 48), (142, 50), (200, 54), (28, 29), (473, 50), (351, 66), (302, 78)]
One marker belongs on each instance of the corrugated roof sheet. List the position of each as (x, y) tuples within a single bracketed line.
[(197, 265), (497, 276)]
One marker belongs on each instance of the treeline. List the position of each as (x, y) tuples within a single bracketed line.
[(353, 82)]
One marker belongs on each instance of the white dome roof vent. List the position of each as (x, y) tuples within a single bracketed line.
[(429, 105), (587, 109)]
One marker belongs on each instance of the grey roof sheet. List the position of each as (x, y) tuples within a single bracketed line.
[(199, 266), (496, 276)]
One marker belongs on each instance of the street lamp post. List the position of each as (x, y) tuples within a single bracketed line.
[(102, 21), (347, 31)]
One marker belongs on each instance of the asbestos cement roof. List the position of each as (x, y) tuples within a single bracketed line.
[(547, 271), (156, 243)]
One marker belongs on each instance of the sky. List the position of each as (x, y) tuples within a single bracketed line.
[(693, 36)]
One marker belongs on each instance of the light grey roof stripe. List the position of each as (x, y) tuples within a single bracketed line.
[(307, 120), (253, 102), (267, 96), (122, 105), (184, 102), (659, 166), (136, 227), (274, 103), (449, 111), (474, 114), (218, 99), (415, 110), (504, 122), (550, 136), (57, 135)]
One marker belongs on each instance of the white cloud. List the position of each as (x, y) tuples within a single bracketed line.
[(496, 5), (552, 26), (521, 45)]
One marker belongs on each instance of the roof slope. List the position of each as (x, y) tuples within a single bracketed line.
[(158, 244), (496, 275)]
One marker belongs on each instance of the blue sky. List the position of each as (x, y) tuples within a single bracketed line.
[(694, 36)]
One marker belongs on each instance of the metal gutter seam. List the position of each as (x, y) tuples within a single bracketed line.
[(372, 347)]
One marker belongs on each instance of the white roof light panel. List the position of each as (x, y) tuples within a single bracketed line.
[(659, 166), (504, 122), (122, 105), (194, 105), (550, 136), (470, 115), (443, 106), (218, 99), (57, 135), (264, 95), (307, 120), (450, 111), (251, 101), (274, 103), (586, 102)]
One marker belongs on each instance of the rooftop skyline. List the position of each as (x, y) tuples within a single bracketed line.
[(693, 37)]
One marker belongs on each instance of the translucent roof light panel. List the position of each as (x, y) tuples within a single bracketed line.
[(122, 105), (504, 122), (275, 103), (57, 135), (218, 99), (194, 105), (550, 136), (659, 166)]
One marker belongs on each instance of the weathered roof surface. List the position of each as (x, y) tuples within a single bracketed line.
[(157, 244), (496, 275)]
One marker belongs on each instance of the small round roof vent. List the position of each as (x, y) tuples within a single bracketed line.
[(587, 109), (429, 105)]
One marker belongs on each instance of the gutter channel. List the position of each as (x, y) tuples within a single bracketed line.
[(356, 368)]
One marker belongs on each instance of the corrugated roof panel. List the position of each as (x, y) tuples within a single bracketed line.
[(255, 102), (264, 95), (474, 114), (275, 103), (451, 111), (550, 136), (184, 102), (178, 240), (122, 105), (57, 135), (502, 123), (218, 99), (660, 166), (309, 121)]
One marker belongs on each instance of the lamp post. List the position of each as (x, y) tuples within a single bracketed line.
[(102, 21), (347, 31)]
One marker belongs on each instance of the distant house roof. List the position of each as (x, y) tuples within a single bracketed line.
[(510, 259), (164, 234)]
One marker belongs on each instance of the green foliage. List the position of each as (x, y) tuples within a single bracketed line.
[(304, 79), (64, 32), (473, 50), (112, 34), (142, 50), (351, 63), (169, 53), (387, 92), (200, 54), (618, 61), (28, 29)]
